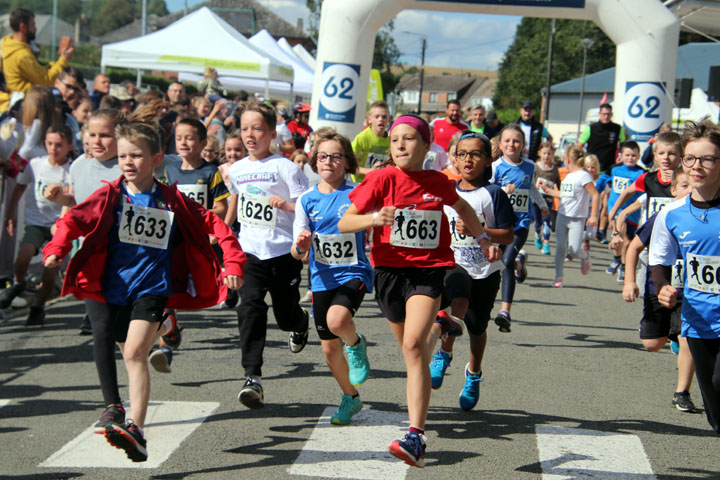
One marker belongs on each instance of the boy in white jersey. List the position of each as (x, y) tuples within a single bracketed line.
[(471, 287), (41, 212), (265, 188)]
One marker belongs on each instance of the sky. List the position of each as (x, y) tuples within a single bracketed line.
[(458, 40)]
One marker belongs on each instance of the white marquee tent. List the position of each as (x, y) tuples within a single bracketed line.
[(304, 55), (303, 76), (199, 40)]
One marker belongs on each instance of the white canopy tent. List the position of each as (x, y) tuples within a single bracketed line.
[(287, 48), (305, 56), (193, 43), (274, 88), (303, 77)]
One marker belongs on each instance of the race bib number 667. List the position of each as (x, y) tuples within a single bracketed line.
[(416, 228), (703, 273)]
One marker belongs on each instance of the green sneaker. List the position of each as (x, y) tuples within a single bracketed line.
[(358, 361), (348, 407)]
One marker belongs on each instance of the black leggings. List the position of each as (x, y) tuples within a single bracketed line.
[(707, 371), (510, 252), (104, 349)]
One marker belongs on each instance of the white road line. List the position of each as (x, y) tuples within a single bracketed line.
[(167, 425), (575, 453), (357, 451), (3, 402)]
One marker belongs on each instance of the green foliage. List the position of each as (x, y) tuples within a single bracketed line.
[(68, 10), (523, 69), (113, 14), (157, 7), (385, 54), (508, 115)]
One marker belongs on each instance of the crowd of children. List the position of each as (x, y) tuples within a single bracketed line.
[(228, 218)]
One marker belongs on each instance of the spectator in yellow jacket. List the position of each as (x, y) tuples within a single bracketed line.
[(19, 65)]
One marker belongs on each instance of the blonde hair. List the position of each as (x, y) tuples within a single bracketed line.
[(574, 153), (210, 73), (588, 160), (39, 104)]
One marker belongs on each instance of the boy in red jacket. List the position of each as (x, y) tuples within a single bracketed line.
[(145, 249)]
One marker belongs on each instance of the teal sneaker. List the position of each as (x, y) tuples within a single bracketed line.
[(349, 406), (546, 249), (358, 362), (538, 243), (471, 390), (440, 363)]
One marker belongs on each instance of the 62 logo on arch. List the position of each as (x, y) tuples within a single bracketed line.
[(340, 86), (644, 109)]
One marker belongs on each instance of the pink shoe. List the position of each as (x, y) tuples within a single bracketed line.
[(558, 283), (585, 266)]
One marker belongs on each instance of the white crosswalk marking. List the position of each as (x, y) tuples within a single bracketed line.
[(167, 425), (357, 451), (3, 402), (575, 453)]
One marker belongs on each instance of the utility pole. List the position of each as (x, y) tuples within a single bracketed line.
[(143, 31), (422, 74), (546, 112)]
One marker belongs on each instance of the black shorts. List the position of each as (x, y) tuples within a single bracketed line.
[(481, 292), (350, 295), (148, 307), (658, 321), (393, 287)]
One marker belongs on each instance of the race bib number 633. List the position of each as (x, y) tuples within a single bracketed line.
[(145, 226)]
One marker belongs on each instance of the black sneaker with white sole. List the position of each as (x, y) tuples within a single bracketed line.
[(129, 438), (683, 402), (113, 415), (251, 395)]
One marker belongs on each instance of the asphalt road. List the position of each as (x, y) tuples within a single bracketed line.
[(572, 360)]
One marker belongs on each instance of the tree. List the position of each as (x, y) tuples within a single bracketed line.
[(113, 14), (523, 70), (68, 10), (157, 7), (386, 52)]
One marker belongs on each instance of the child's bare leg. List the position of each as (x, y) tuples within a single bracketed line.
[(141, 336), (685, 366), (420, 313), (340, 323), (22, 262), (48, 283), (477, 351)]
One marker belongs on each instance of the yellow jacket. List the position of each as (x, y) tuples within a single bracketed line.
[(23, 71)]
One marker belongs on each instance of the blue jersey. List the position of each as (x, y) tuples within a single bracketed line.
[(694, 232), (335, 258), (623, 177), (522, 176), (602, 182), (135, 267)]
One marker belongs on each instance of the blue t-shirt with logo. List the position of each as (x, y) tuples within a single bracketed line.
[(622, 177)]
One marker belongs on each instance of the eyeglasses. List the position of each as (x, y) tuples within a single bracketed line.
[(474, 155), (324, 157), (707, 161)]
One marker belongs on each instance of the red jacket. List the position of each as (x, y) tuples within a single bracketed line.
[(193, 255)]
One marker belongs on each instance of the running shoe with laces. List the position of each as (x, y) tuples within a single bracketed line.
[(683, 402), (298, 340), (173, 338), (521, 273), (538, 243), (36, 316), (440, 363), (113, 415), (558, 283), (7, 295), (349, 406), (503, 321), (410, 449), (231, 300), (471, 390), (585, 265), (546, 249), (307, 298), (621, 274), (450, 325), (251, 395), (161, 359), (674, 347), (128, 437), (359, 366), (613, 267)]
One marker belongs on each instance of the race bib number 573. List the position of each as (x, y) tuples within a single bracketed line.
[(145, 226), (416, 228), (703, 273)]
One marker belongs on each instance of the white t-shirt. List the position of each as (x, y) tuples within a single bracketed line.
[(265, 232), (88, 174), (436, 158), (574, 199), (38, 175), (283, 134)]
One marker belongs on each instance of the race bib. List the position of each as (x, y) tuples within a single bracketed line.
[(619, 184), (40, 185), (416, 228), (335, 249), (520, 200), (567, 189), (544, 181), (429, 162), (677, 280), (655, 204), (459, 240), (255, 211), (145, 226), (375, 158), (703, 273), (197, 192)]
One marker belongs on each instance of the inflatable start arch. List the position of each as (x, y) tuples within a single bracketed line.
[(645, 32)]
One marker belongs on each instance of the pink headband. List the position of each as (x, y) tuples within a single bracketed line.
[(415, 122)]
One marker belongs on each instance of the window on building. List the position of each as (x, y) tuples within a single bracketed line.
[(452, 96), (411, 96), (433, 97)]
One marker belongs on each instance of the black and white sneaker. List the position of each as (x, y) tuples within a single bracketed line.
[(129, 438), (252, 395), (297, 341), (683, 402)]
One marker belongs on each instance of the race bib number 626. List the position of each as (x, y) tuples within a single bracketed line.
[(256, 211), (416, 228)]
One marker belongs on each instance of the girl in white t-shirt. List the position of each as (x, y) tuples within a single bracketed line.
[(575, 194)]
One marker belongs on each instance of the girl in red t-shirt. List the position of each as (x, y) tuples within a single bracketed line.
[(411, 251)]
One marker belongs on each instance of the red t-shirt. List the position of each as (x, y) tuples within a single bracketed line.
[(421, 190), (295, 127), (444, 131)]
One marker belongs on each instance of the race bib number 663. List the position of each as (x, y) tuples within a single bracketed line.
[(416, 228)]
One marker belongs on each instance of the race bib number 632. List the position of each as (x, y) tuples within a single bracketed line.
[(335, 249)]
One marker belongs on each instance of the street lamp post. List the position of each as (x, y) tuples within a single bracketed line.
[(422, 66), (586, 43)]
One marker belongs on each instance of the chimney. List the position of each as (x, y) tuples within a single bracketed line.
[(300, 25)]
